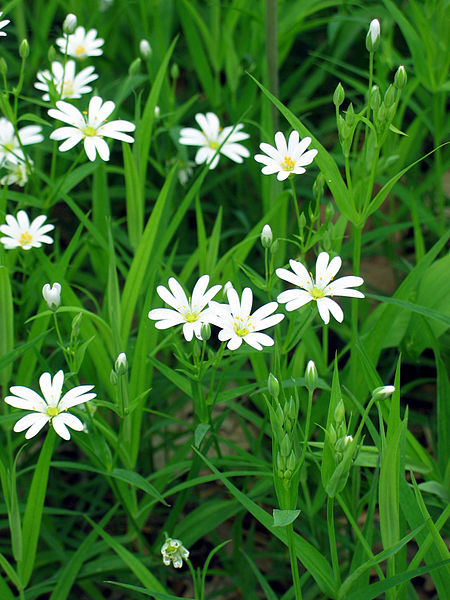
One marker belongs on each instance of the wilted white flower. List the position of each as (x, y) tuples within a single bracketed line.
[(266, 236), (52, 295), (81, 43), (20, 233), (285, 159), (185, 171), (145, 49), (173, 551), (90, 129), (373, 35), (237, 323), (3, 24), (9, 143), (213, 140), (121, 365), (321, 289), (70, 22), (383, 392), (49, 407), (18, 172), (64, 79), (191, 312)]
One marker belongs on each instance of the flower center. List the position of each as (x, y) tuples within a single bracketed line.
[(288, 164), (79, 50), (25, 238), (67, 89), (241, 327), (89, 131), (213, 145), (52, 411), (317, 293), (191, 317)]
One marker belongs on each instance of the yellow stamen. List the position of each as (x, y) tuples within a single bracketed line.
[(317, 293), (213, 145), (89, 131), (79, 50), (25, 238), (52, 411), (288, 164)]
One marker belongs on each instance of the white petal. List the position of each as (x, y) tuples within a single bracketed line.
[(64, 420), (34, 423), (326, 305)]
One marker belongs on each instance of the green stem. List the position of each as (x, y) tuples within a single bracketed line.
[(199, 594), (357, 235), (307, 425), (332, 539), (325, 344), (294, 197), (369, 98), (272, 53), (293, 559), (437, 136)]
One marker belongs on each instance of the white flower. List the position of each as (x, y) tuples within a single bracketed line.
[(173, 551), (237, 323), (91, 128), (190, 311), (21, 233), (52, 295), (49, 408), (285, 159), (2, 24), (9, 143), (67, 84), (81, 43), (213, 140), (145, 49), (70, 22), (18, 172), (320, 290)]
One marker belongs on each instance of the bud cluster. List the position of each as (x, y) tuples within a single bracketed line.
[(338, 433)]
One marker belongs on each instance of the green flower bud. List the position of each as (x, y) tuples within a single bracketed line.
[(331, 434), (3, 66), (174, 71), (70, 23), (274, 386), (285, 446), (350, 115), (266, 236), (291, 409), (205, 331), (400, 78), (121, 364), (281, 464), (311, 376), (274, 247), (384, 392), (24, 49), (51, 54), (318, 186), (338, 96), (113, 378), (291, 461), (389, 97), (76, 324), (339, 412), (135, 66), (375, 99)]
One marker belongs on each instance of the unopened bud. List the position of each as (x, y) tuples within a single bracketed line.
[(339, 412), (318, 187), (3, 66), (389, 97), (381, 393), (145, 49), (331, 434), (24, 49), (285, 446), (273, 385), (113, 378), (121, 364), (70, 23), (350, 115), (135, 66), (291, 462), (52, 295), (311, 376), (76, 324), (274, 247), (291, 409), (266, 236), (174, 71), (400, 78), (373, 36), (157, 112), (339, 95), (375, 98), (205, 331)]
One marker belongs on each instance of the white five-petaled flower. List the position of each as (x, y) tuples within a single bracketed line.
[(17, 172), (3, 24), (213, 140), (9, 142), (91, 128), (81, 43), (285, 159), (52, 295), (20, 233), (173, 551), (66, 82), (237, 323), (49, 407), (321, 289), (191, 312)]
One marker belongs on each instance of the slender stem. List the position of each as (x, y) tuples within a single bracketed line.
[(294, 197), (307, 425), (272, 53), (357, 235), (332, 538), (325, 344), (198, 593), (437, 136), (293, 559), (369, 98)]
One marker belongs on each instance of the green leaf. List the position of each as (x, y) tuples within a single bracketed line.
[(200, 432), (137, 481), (147, 592), (6, 327), (281, 518)]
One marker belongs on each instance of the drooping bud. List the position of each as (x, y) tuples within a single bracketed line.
[(70, 23), (52, 295), (266, 236), (145, 49), (400, 78), (339, 95), (311, 376), (381, 393), (373, 36)]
